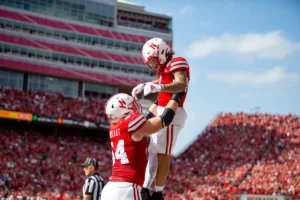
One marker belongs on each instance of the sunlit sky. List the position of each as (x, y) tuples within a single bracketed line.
[(242, 54)]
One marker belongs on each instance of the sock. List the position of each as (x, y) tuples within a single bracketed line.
[(159, 188), (150, 170)]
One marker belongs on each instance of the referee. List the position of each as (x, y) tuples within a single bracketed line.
[(94, 183)]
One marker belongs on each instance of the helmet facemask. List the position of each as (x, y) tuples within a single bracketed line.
[(120, 106), (154, 53), (153, 63), (135, 106)]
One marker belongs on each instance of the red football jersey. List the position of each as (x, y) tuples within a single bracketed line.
[(129, 157), (167, 77)]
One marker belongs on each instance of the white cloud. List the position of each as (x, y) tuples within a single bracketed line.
[(185, 10), (271, 76), (272, 45)]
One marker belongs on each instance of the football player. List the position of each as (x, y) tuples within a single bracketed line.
[(173, 76), (128, 129)]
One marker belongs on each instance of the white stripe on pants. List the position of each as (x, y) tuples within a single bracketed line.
[(164, 140)]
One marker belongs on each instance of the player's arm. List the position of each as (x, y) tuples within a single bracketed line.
[(179, 85), (152, 111), (87, 197), (157, 123), (155, 81)]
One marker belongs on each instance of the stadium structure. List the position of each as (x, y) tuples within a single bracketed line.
[(60, 60), (77, 47)]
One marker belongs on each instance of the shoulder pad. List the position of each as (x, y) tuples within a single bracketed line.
[(178, 63), (135, 121)]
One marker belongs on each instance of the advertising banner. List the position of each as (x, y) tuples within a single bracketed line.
[(15, 115)]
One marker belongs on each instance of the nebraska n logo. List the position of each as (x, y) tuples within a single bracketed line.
[(122, 103), (153, 46)]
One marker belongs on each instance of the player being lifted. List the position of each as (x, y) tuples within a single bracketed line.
[(128, 129), (173, 76)]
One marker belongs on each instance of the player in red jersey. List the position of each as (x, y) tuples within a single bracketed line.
[(128, 129), (173, 76)]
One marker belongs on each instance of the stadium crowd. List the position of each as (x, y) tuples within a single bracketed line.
[(240, 154), (53, 105), (47, 165), (235, 154)]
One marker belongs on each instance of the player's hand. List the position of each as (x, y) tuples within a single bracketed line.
[(137, 89), (152, 88)]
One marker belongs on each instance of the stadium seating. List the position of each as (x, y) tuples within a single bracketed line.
[(53, 23), (70, 50), (151, 27), (240, 153), (88, 42), (236, 153), (51, 105), (46, 165), (48, 69)]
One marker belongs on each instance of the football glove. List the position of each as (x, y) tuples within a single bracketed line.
[(137, 89), (152, 88)]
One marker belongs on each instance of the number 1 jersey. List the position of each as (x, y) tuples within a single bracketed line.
[(129, 157)]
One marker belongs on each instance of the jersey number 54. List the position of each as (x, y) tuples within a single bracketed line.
[(120, 153)]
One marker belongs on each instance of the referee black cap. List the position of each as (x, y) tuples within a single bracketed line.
[(90, 161)]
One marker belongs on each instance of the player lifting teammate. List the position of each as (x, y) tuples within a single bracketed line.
[(173, 76), (128, 129)]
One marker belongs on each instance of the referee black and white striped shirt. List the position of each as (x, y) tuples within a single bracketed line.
[(93, 186)]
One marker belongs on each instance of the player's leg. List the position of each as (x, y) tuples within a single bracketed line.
[(108, 191), (165, 144), (149, 175), (151, 168), (121, 191), (152, 162), (134, 193), (163, 169)]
